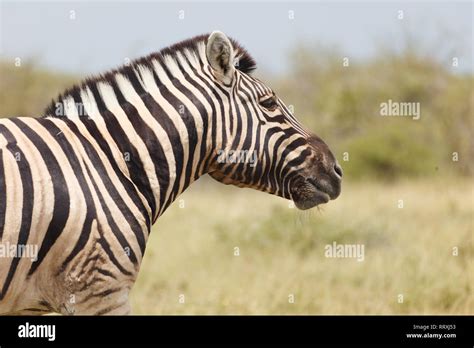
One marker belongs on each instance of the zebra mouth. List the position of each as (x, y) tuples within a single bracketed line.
[(309, 193)]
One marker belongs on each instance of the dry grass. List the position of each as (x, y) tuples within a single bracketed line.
[(408, 251)]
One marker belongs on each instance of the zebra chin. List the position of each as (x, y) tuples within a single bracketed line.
[(311, 200), (310, 193)]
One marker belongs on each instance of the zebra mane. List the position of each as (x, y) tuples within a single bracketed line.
[(246, 64)]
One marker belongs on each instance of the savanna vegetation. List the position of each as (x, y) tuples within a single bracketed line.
[(407, 197)]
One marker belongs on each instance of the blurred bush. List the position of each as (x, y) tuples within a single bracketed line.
[(389, 153), (342, 105), (26, 90)]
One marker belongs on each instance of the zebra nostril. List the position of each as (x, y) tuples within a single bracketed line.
[(338, 170)]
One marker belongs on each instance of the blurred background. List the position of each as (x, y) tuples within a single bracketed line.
[(407, 191)]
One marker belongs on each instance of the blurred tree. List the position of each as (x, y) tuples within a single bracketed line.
[(341, 103)]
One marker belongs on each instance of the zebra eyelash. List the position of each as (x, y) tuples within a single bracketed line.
[(269, 103)]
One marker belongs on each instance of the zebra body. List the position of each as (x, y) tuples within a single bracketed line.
[(86, 182), (51, 174)]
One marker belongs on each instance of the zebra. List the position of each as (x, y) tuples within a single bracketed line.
[(85, 182)]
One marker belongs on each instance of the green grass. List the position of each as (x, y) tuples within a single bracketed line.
[(408, 251)]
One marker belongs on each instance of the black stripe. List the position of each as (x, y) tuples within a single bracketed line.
[(275, 161), (253, 131), (82, 240), (111, 255), (204, 116), (151, 142), (123, 143), (130, 74), (160, 115), (188, 120), (288, 149), (3, 195), (60, 189), (101, 294), (113, 226), (94, 258), (257, 170), (134, 164), (106, 273), (286, 185), (110, 186), (294, 163), (27, 209), (76, 167), (213, 97)]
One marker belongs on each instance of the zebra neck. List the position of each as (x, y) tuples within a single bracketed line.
[(157, 121), (173, 105), (161, 142)]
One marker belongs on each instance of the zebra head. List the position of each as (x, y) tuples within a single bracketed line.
[(263, 146)]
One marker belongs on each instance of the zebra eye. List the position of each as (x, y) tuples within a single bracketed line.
[(269, 103)]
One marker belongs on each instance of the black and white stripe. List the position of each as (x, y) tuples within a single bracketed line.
[(86, 182)]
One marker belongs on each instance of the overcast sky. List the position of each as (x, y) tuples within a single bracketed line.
[(98, 36)]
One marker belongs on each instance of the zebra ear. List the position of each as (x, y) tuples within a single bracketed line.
[(220, 55)]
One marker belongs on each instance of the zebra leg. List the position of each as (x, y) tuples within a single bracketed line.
[(93, 284), (99, 304), (92, 294)]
